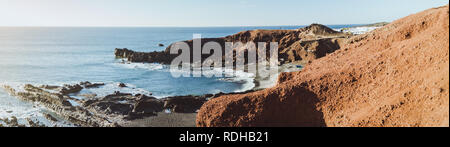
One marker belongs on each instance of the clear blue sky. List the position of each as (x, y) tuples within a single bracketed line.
[(205, 12)]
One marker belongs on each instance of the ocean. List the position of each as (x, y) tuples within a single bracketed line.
[(69, 55)]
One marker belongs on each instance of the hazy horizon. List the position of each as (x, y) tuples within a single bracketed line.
[(204, 13), (177, 26)]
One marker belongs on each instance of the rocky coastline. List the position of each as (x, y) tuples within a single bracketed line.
[(112, 110), (297, 47)]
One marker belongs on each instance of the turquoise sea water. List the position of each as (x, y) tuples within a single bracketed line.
[(60, 55)]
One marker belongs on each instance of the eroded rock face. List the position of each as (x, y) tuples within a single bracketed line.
[(313, 41), (308, 50), (61, 105), (397, 75), (153, 57), (35, 94)]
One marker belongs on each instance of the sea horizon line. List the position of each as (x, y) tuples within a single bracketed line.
[(138, 26)]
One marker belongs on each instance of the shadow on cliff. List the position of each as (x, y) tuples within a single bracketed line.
[(282, 107), (294, 107)]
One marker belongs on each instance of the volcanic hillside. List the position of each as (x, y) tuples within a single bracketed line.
[(397, 75)]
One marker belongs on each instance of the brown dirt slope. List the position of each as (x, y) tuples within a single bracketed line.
[(397, 75)]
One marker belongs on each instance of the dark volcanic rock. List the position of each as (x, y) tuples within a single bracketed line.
[(91, 85), (148, 106), (49, 87), (110, 107), (152, 57), (117, 96), (184, 104), (69, 89), (122, 85), (142, 97)]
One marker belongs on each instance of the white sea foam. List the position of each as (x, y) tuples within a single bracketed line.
[(241, 77), (111, 87), (227, 75), (149, 66), (270, 80), (358, 30), (13, 107)]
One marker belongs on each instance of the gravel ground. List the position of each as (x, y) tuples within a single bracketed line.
[(164, 120)]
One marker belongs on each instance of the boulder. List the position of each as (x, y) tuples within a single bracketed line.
[(69, 89), (122, 85), (146, 106), (184, 104)]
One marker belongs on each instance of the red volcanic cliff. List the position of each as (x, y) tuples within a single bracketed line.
[(397, 75)]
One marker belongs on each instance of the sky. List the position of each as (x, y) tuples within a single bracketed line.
[(205, 12)]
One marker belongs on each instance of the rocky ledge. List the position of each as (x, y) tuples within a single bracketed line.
[(108, 111)]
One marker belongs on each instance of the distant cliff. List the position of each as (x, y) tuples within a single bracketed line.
[(301, 45)]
